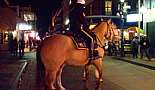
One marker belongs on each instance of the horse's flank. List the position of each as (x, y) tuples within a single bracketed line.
[(62, 50)]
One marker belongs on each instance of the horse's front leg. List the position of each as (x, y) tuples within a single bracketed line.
[(59, 78), (97, 74), (98, 65), (85, 73), (85, 76), (98, 70)]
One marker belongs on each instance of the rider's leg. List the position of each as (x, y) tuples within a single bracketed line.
[(93, 54), (91, 49)]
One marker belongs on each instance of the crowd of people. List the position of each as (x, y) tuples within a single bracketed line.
[(113, 48), (144, 47), (138, 46), (17, 46)]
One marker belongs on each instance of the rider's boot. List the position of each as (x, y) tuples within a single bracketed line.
[(93, 54)]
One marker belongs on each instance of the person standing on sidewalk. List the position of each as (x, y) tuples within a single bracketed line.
[(10, 42), (21, 44), (110, 48), (144, 47), (134, 45), (15, 46)]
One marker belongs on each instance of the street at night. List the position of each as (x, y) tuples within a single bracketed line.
[(51, 36), (117, 75)]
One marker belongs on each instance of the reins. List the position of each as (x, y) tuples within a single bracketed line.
[(100, 45)]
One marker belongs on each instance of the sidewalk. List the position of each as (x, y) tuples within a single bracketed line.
[(137, 61), (11, 69), (10, 74)]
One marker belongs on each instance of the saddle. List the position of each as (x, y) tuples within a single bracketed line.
[(77, 40), (81, 43)]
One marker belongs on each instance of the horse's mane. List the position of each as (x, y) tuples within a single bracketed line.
[(96, 26)]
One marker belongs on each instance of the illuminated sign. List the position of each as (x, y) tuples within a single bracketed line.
[(24, 26), (131, 31), (134, 17)]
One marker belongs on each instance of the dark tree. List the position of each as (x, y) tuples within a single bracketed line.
[(44, 10)]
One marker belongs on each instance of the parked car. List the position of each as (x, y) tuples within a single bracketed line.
[(127, 47)]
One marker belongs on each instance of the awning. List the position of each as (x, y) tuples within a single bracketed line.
[(3, 27), (19, 20), (135, 29), (8, 17)]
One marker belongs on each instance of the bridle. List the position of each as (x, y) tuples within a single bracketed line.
[(109, 31), (108, 34)]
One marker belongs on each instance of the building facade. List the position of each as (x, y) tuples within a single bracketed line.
[(149, 22)]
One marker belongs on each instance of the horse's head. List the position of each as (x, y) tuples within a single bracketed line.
[(112, 32), (107, 30)]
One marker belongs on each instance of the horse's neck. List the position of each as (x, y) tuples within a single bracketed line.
[(100, 33)]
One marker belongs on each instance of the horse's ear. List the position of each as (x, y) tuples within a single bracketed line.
[(109, 21)]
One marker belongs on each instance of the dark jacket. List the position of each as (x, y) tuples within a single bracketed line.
[(144, 43)]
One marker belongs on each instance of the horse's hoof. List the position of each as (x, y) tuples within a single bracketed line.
[(62, 88), (101, 80), (47, 88), (97, 88), (84, 79)]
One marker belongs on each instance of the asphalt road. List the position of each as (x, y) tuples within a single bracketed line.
[(129, 76), (117, 75)]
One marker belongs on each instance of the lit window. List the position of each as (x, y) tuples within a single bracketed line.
[(108, 7)]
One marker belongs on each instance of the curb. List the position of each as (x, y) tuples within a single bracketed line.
[(18, 80), (136, 63)]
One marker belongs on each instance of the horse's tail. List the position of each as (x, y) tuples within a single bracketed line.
[(40, 74)]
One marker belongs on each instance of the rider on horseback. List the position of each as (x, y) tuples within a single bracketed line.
[(78, 20)]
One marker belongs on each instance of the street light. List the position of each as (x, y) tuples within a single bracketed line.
[(122, 1)]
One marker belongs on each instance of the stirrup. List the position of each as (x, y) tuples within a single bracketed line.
[(95, 45), (94, 57)]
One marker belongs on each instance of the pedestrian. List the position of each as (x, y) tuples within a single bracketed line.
[(78, 23), (116, 48), (30, 43), (21, 45), (144, 47), (110, 48), (15, 46), (10, 42), (134, 46)]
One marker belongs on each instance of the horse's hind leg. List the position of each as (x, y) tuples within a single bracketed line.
[(59, 78), (50, 79)]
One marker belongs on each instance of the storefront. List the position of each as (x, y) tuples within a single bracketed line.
[(131, 32), (30, 36)]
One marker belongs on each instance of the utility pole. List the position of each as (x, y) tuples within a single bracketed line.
[(139, 6), (122, 25)]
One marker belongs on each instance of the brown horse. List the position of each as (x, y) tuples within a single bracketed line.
[(59, 50)]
